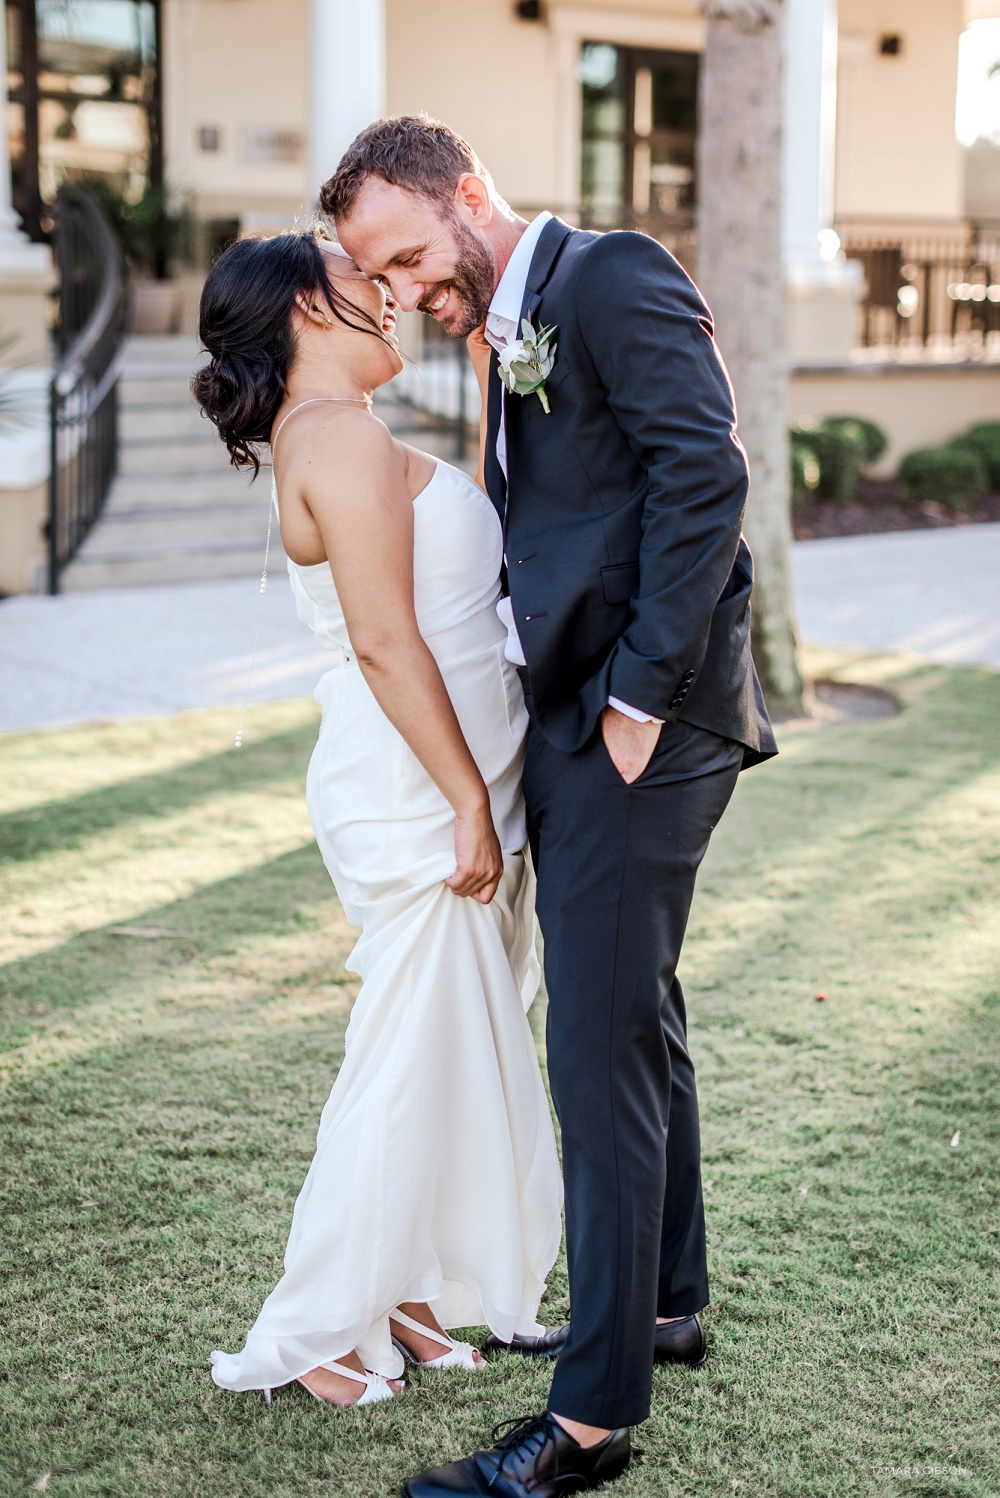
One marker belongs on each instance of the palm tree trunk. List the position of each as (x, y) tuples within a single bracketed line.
[(741, 273)]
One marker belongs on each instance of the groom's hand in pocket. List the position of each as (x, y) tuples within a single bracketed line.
[(630, 744)]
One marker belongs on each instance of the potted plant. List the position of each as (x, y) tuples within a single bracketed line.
[(157, 234)]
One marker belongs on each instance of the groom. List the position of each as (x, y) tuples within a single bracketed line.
[(629, 615)]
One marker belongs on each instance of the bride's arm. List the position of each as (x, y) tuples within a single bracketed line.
[(354, 485), (480, 353)]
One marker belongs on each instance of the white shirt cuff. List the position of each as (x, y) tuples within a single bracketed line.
[(632, 712)]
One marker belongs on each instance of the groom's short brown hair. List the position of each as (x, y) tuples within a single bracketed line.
[(411, 151)]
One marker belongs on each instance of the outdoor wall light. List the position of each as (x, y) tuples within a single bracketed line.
[(890, 45), (529, 10)]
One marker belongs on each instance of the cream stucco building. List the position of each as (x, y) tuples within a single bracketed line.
[(237, 77), (588, 107)]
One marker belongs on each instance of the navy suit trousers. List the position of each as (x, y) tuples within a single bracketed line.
[(616, 869)]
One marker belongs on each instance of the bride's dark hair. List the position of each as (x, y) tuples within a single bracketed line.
[(245, 324)]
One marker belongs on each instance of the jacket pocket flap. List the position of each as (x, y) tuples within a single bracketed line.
[(620, 581), (559, 372)]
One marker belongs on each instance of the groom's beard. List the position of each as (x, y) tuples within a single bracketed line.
[(472, 284)]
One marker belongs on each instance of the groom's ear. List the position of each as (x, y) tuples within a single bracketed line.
[(472, 200)]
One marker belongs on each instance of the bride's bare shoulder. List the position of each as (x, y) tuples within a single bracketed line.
[(345, 443)]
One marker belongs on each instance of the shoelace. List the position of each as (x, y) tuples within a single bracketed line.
[(522, 1434)]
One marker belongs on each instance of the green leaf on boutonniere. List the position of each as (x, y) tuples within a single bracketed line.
[(526, 364)]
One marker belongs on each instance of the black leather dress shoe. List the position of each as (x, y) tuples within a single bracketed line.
[(677, 1342), (537, 1458), (549, 1345), (680, 1342)]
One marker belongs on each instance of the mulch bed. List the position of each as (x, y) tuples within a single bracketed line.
[(879, 507)]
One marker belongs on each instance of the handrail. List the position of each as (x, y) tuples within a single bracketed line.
[(93, 305)]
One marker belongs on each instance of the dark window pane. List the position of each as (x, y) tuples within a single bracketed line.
[(602, 156), (602, 75), (675, 95)]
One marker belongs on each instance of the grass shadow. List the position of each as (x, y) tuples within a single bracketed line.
[(265, 899), (66, 823)]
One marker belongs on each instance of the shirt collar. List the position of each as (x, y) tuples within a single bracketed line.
[(509, 295)]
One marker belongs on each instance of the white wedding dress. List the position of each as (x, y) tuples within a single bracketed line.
[(435, 1176)]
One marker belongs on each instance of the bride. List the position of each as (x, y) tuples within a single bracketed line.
[(433, 1199)]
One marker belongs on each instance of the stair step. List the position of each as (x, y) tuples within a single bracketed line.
[(165, 549), (174, 567), (187, 457), (139, 425), (168, 355), (224, 510), (138, 490), (120, 536), (140, 394)]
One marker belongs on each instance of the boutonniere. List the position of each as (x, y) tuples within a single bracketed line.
[(526, 364)]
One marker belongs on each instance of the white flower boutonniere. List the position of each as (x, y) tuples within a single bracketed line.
[(526, 364)]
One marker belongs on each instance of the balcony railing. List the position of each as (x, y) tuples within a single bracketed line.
[(933, 292)]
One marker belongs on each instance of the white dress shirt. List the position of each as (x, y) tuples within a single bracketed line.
[(503, 326)]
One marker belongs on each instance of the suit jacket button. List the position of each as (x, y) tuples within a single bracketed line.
[(677, 702)]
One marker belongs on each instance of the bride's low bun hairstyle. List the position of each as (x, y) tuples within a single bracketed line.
[(245, 324)]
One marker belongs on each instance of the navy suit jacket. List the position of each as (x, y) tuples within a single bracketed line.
[(623, 508)]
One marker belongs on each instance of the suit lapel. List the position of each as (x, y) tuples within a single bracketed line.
[(550, 242), (543, 261)]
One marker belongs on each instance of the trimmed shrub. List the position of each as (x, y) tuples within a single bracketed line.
[(951, 474), (984, 439), (839, 447), (872, 439)]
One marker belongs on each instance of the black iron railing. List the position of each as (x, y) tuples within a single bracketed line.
[(930, 290), (90, 343)]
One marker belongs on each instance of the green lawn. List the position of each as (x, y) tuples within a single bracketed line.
[(160, 1096)]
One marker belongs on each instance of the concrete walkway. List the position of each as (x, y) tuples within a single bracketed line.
[(128, 652), (935, 593)]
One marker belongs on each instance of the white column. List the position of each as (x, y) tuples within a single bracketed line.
[(824, 288), (810, 131), (346, 78)]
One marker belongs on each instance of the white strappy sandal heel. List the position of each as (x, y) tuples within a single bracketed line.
[(457, 1355), (377, 1387)]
